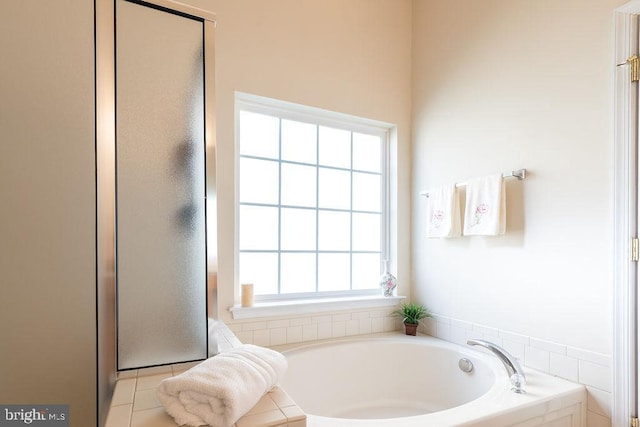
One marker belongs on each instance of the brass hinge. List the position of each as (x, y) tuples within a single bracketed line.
[(635, 251), (635, 422), (634, 61)]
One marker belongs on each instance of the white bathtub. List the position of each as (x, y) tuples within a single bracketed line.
[(399, 381)]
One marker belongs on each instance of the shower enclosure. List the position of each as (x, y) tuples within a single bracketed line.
[(164, 117)]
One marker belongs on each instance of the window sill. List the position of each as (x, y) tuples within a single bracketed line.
[(312, 306)]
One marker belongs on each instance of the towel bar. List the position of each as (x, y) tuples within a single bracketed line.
[(519, 174)]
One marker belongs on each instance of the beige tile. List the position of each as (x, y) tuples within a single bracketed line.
[(294, 334), (261, 337), (597, 420), (282, 323), (119, 416), (245, 337), (293, 413), (123, 393), (281, 398), (233, 339), (146, 399), (179, 368), (265, 404), (299, 321), (301, 423), (144, 372), (155, 417), (226, 328), (263, 419), (594, 375), (128, 374), (310, 332), (252, 326), (599, 402), (278, 336), (152, 381)]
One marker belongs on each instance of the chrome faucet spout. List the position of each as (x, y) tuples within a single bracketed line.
[(514, 370)]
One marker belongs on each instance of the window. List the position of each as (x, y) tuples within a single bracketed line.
[(312, 200)]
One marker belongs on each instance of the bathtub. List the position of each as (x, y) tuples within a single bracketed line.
[(396, 380)]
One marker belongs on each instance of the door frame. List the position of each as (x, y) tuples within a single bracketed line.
[(625, 327)]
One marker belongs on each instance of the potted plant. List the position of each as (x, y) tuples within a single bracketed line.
[(411, 314)]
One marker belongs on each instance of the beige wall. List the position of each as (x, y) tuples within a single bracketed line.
[(47, 207), (351, 57), (501, 84)]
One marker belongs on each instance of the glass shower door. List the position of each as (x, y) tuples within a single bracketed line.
[(160, 187)]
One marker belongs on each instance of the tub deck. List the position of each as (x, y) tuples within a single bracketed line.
[(549, 401)]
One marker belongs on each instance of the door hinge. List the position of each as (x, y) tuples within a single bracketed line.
[(634, 61), (635, 422), (635, 251)]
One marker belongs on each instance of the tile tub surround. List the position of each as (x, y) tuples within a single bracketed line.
[(303, 328), (591, 369), (134, 402)]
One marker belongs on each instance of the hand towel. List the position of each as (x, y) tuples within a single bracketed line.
[(223, 388), (443, 213), (485, 212)]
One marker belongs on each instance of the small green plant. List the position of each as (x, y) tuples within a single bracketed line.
[(412, 313)]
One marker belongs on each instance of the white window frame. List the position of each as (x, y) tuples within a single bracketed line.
[(316, 116)]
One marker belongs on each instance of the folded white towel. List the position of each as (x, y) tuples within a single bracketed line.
[(485, 212), (223, 388), (443, 213)]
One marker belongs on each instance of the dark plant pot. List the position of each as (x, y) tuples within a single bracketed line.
[(410, 328)]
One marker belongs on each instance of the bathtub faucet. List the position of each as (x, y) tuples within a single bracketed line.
[(514, 370)]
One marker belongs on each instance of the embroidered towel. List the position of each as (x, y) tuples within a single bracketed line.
[(223, 388), (485, 212), (443, 213)]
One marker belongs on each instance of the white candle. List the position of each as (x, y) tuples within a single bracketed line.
[(247, 294)]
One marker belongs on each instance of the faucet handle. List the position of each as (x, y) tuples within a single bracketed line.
[(517, 383)]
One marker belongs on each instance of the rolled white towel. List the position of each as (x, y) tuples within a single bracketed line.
[(223, 388)]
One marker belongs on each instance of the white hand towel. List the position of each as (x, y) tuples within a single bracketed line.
[(223, 388), (485, 212), (443, 213)]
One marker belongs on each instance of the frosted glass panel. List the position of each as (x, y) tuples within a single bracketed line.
[(161, 234)]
